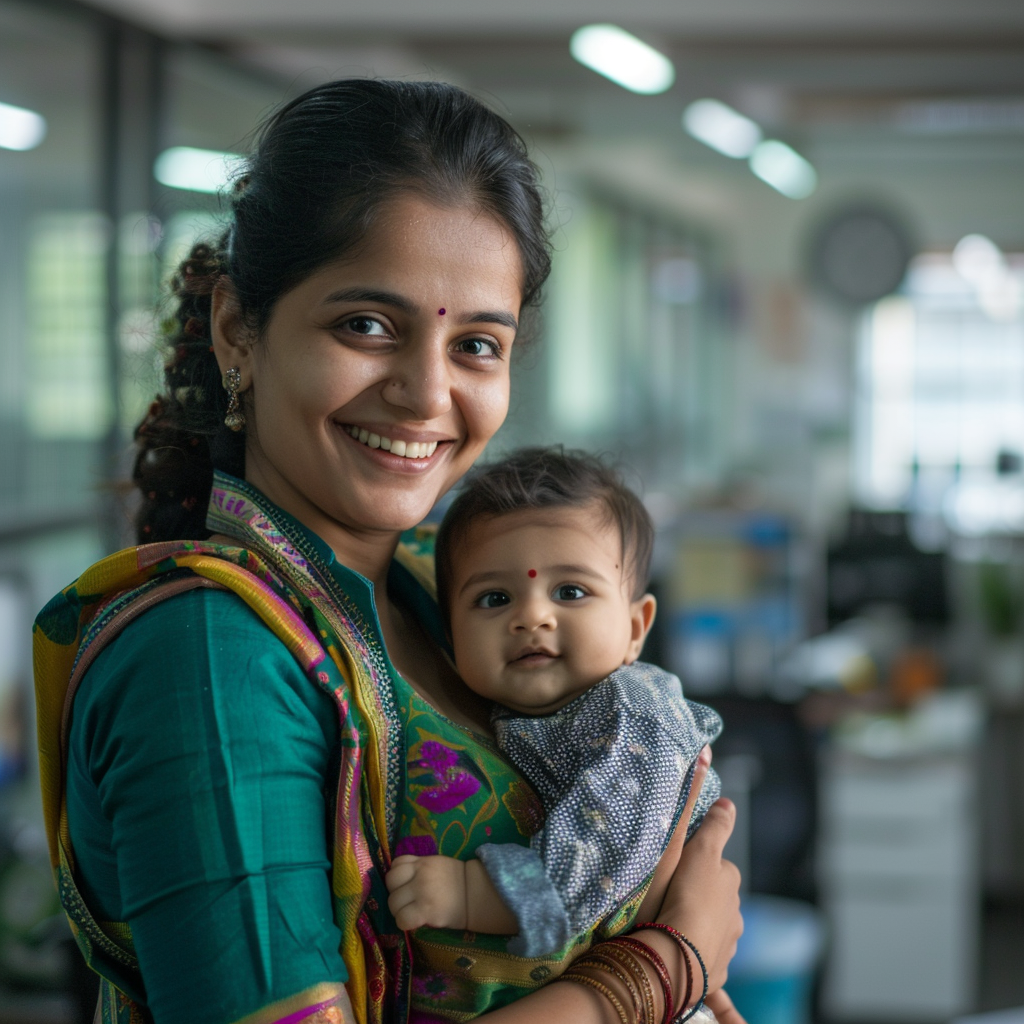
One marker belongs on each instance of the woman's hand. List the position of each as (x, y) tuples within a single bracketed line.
[(703, 898), (694, 890), (721, 1006)]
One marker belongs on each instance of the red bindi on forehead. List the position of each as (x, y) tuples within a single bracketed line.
[(532, 573)]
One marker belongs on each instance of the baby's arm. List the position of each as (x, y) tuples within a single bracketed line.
[(441, 892)]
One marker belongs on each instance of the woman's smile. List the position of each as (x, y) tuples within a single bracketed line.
[(419, 448)]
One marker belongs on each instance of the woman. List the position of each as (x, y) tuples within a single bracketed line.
[(227, 776)]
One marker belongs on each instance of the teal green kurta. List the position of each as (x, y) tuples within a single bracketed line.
[(200, 775)]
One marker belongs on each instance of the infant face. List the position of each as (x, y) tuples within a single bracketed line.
[(541, 609)]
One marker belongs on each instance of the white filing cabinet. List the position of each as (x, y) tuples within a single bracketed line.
[(898, 869)]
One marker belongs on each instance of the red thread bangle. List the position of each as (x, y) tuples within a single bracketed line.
[(684, 943), (660, 969)]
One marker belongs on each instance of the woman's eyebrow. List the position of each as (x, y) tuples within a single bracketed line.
[(491, 317), (373, 295)]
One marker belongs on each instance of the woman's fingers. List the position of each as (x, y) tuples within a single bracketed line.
[(722, 1007), (717, 826), (700, 773), (702, 900)]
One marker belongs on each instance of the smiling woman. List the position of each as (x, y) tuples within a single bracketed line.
[(249, 716), (356, 351)]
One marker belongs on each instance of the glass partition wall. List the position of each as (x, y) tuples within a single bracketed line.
[(88, 235)]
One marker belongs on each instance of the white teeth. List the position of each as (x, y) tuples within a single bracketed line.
[(407, 449)]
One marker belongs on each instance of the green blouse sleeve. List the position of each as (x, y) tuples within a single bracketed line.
[(200, 756)]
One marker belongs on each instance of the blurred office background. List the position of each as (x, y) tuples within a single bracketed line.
[(788, 293)]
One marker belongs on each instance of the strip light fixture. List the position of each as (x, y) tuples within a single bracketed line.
[(784, 169), (20, 129), (726, 130), (196, 170), (617, 54), (730, 133)]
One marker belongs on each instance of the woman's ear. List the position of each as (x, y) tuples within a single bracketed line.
[(231, 339), (641, 618)]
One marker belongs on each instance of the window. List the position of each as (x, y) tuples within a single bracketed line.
[(940, 416)]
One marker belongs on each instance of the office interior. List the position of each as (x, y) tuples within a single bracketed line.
[(787, 297)]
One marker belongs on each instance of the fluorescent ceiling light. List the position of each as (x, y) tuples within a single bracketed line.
[(198, 170), (981, 262), (626, 60), (784, 169), (719, 126), (20, 128), (978, 259)]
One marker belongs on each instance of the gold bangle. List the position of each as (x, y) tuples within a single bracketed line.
[(596, 960), (635, 966), (585, 979)]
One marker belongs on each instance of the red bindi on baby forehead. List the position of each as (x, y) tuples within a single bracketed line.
[(441, 311), (532, 573)]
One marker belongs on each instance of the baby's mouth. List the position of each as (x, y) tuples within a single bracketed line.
[(535, 657)]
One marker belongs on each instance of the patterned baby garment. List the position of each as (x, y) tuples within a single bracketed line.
[(613, 769)]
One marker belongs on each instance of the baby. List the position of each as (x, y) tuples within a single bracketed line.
[(542, 565)]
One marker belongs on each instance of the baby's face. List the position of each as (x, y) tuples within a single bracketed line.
[(541, 609)]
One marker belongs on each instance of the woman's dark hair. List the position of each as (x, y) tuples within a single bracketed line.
[(547, 478), (322, 167)]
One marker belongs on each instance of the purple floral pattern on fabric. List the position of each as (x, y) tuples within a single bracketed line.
[(433, 986), (418, 846), (452, 786)]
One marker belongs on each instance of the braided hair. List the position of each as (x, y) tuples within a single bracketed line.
[(322, 168)]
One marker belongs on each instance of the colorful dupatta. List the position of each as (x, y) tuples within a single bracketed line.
[(286, 582)]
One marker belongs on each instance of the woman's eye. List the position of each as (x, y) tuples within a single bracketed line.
[(479, 347), (492, 599), (569, 592), (366, 325)]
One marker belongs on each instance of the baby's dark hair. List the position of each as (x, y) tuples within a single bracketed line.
[(547, 478)]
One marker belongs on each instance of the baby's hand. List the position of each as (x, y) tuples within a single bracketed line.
[(427, 891)]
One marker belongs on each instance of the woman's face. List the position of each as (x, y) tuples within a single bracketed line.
[(380, 379)]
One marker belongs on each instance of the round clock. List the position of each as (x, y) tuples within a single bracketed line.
[(859, 254)]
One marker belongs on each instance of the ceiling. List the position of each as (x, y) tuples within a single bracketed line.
[(676, 19), (783, 61), (912, 98)]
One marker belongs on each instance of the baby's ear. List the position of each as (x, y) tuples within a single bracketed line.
[(641, 618)]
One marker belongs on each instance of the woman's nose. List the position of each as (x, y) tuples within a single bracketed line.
[(421, 380)]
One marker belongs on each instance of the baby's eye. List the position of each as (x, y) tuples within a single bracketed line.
[(569, 592), (493, 599)]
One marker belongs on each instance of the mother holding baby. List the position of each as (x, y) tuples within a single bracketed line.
[(244, 720)]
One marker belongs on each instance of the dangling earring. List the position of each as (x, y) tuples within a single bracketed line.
[(234, 420)]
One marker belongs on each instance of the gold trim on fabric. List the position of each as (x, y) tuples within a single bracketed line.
[(493, 967)]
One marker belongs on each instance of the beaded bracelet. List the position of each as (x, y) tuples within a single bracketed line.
[(655, 960), (684, 943), (585, 979)]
